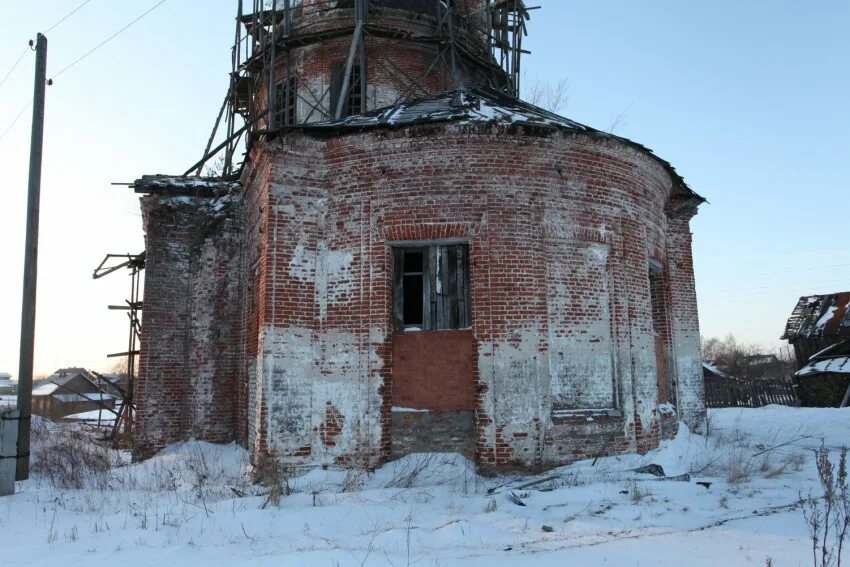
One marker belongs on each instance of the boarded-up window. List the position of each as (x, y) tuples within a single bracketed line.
[(353, 103), (580, 327), (285, 106), (432, 287)]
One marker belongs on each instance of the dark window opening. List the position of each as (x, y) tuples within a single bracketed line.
[(285, 105), (353, 103), (413, 262), (413, 301), (412, 288), (432, 287)]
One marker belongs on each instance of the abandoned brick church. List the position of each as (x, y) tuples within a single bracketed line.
[(409, 258)]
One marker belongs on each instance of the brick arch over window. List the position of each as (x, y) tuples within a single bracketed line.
[(429, 231)]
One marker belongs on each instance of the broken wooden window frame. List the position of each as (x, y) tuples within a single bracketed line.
[(286, 102), (445, 268)]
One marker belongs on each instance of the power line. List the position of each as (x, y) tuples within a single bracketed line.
[(6, 76), (18, 117), (767, 290), (66, 16), (108, 39), (795, 270), (54, 26)]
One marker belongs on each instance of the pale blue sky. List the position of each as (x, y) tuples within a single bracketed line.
[(747, 100)]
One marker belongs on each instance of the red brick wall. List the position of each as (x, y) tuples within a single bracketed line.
[(191, 333), (317, 373), (519, 189), (433, 370), (685, 339)]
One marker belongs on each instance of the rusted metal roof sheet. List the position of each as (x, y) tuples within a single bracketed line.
[(837, 365), (819, 316)]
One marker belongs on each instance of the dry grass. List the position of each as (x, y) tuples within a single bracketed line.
[(739, 466), (67, 457), (637, 493)]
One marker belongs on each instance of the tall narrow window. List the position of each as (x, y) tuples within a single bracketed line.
[(353, 103), (432, 287), (660, 330), (286, 96)]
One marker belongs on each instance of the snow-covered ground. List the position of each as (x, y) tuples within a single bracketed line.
[(193, 504)]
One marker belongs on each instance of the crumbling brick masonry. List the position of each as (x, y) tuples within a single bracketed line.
[(463, 273)]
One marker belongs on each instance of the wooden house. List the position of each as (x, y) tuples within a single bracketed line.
[(70, 391), (825, 380), (817, 322)]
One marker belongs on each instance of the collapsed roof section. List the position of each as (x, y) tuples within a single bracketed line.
[(818, 316), (486, 106), (834, 359), (184, 185), (481, 105)]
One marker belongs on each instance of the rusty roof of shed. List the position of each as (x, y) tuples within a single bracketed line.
[(819, 316)]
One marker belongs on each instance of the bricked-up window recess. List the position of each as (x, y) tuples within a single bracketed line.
[(353, 101), (431, 287), (656, 296), (286, 95), (666, 391)]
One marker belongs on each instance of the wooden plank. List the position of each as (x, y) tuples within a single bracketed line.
[(427, 290), (433, 267), (398, 288), (117, 354), (451, 276), (444, 298), (462, 289), (438, 288)]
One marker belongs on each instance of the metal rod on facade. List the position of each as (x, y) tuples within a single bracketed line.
[(272, 102), (293, 96), (453, 57), (131, 357), (346, 82), (215, 127), (364, 9), (25, 368)]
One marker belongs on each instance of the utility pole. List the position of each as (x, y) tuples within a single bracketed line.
[(25, 367)]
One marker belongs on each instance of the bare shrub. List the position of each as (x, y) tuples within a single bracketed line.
[(275, 477), (353, 480), (68, 458), (549, 96), (408, 470), (828, 517)]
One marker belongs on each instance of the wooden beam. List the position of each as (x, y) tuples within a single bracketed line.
[(117, 354)]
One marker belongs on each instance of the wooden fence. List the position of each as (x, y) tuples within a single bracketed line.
[(730, 393)]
